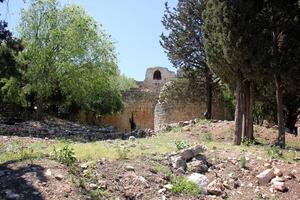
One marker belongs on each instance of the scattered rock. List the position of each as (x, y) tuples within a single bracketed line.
[(84, 165), (268, 165), (199, 179), (265, 176), (59, 176), (189, 153), (132, 138), (48, 172), (168, 186), (11, 195), (216, 187), (277, 179), (162, 190), (199, 166), (2, 173), (103, 184), (178, 163), (129, 168), (35, 193), (277, 172), (93, 186), (279, 186)]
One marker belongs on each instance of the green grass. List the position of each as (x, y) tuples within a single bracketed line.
[(202, 121), (181, 185)]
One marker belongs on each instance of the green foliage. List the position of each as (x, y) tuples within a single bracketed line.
[(126, 83), (229, 102), (242, 161), (206, 137), (274, 152), (248, 142), (182, 144), (70, 59), (65, 155), (122, 152), (202, 121), (182, 185), (157, 167)]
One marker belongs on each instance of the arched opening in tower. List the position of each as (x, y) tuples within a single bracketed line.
[(157, 75)]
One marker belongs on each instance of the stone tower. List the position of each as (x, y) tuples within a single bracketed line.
[(157, 77)]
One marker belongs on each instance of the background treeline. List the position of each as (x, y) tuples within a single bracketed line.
[(248, 47), (61, 62)]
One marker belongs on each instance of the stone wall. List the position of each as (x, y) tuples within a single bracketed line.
[(139, 102), (178, 103)]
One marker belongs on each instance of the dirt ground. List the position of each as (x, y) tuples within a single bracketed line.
[(145, 177)]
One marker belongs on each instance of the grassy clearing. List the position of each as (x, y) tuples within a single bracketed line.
[(124, 149)]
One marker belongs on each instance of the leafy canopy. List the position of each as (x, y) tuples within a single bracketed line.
[(70, 59)]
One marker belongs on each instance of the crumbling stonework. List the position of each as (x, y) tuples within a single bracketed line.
[(178, 102), (140, 104), (157, 77), (161, 99)]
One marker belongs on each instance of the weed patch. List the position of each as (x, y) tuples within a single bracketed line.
[(182, 185)]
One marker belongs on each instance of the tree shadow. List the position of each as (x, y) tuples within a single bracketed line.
[(13, 184)]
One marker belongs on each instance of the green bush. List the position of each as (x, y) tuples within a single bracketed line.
[(243, 161), (122, 153), (180, 145), (182, 185), (206, 137), (274, 152), (65, 155)]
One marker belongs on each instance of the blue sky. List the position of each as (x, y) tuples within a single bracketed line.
[(135, 26)]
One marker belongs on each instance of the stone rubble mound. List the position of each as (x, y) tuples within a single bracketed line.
[(52, 128)]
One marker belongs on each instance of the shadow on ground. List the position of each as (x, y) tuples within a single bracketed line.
[(13, 184)]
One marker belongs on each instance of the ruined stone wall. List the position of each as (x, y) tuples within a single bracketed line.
[(153, 84), (139, 102), (178, 103)]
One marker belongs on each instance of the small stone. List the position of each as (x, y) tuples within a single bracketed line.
[(103, 184), (279, 186), (268, 165), (59, 177), (199, 179), (129, 168), (48, 172), (277, 172), (84, 165), (288, 177), (236, 185), (35, 193), (168, 186), (93, 186), (277, 179), (11, 195), (265, 176), (132, 138), (216, 187), (162, 190), (2, 173), (178, 162)]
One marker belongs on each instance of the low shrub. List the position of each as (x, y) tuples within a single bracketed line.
[(180, 145), (181, 185), (65, 155)]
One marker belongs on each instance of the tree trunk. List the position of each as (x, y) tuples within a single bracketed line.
[(208, 86), (244, 109), (238, 111), (281, 131), (250, 120)]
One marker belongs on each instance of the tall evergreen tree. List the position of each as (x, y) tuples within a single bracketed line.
[(280, 55), (228, 26), (183, 43)]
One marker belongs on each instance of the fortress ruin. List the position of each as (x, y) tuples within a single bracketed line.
[(150, 107)]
